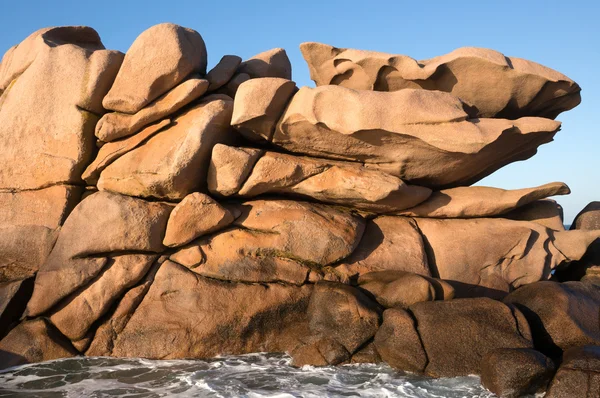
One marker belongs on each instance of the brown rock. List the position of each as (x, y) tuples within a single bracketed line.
[(111, 151), (13, 300), (343, 183), (561, 315), (322, 352), (52, 88), (578, 375), (497, 255), (174, 162), (397, 289), (258, 105), (545, 212), (189, 256), (515, 372), (102, 223), (343, 313), (159, 59), (588, 218), (389, 243), (23, 249), (33, 341), (470, 202), (272, 63), (79, 314), (492, 84), (277, 241), (115, 125), (230, 167), (196, 215), (457, 334), (366, 354), (204, 318), (398, 342), (223, 71), (423, 137), (230, 89)]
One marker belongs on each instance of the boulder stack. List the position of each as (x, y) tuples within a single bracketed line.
[(144, 196)]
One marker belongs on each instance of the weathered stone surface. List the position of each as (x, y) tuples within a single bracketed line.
[(515, 372), (343, 313), (115, 125), (423, 137), (159, 59), (271, 63), (258, 105), (52, 90), (196, 215), (121, 272), (204, 318), (111, 151), (277, 241), (561, 315), (398, 342), (492, 84), (470, 202), (366, 354), (546, 212), (322, 352), (28, 227), (389, 243), (230, 167), (223, 71), (102, 223), (499, 255), (344, 183), (33, 341), (230, 89), (174, 162), (457, 334), (578, 375), (588, 218), (13, 300), (397, 289)]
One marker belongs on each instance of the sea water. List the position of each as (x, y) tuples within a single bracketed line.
[(254, 375)]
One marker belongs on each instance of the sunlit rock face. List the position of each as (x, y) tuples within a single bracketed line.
[(152, 208)]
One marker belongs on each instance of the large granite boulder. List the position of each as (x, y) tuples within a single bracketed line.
[(271, 63), (491, 84), (204, 318), (388, 244), (222, 72), (52, 85), (159, 59), (561, 315), (13, 300), (174, 162), (546, 212), (457, 334), (345, 183), (275, 241), (473, 202), (115, 125), (103, 223), (497, 255), (423, 137), (515, 372), (578, 375)]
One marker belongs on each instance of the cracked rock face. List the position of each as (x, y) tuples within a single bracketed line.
[(230, 212)]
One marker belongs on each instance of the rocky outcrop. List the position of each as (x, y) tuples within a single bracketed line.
[(473, 202), (229, 212), (413, 134), (561, 315), (158, 60), (335, 182), (490, 83), (174, 162), (515, 372), (578, 375)]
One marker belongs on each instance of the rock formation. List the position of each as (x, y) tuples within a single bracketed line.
[(142, 197)]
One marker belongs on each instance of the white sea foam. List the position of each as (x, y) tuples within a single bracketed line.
[(252, 376)]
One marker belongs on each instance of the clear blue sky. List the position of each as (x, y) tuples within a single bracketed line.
[(564, 35)]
